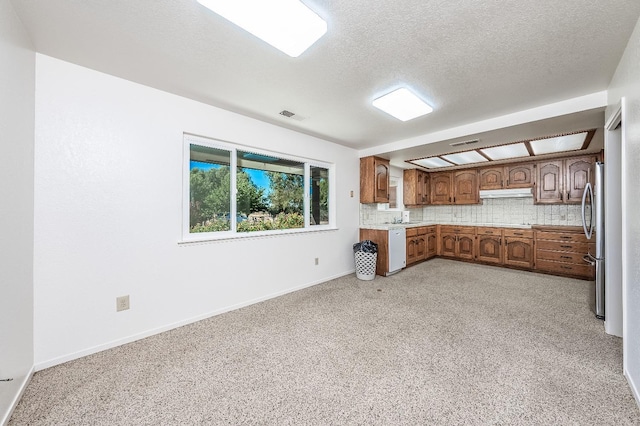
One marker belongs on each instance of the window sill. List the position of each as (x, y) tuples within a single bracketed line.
[(253, 235)]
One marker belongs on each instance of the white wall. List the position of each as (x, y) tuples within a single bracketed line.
[(625, 85), (108, 196), (17, 86)]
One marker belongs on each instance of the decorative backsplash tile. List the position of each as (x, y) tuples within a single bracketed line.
[(516, 211)]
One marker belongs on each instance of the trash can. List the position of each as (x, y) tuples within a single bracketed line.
[(366, 255)]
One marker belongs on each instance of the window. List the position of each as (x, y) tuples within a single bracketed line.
[(234, 191)]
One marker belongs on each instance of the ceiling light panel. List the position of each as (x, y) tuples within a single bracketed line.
[(504, 152), (431, 163), (466, 157), (402, 104), (287, 25), (558, 144)]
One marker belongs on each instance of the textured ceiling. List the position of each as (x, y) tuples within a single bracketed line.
[(470, 59)]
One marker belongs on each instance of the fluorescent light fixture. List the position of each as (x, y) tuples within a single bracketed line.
[(402, 104), (287, 25), (431, 163), (558, 144), (466, 157), (506, 151)]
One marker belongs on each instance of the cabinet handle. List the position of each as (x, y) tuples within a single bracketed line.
[(507, 182), (565, 257), (489, 232), (565, 246), (449, 199), (568, 195), (565, 237), (518, 233), (566, 267), (561, 197)]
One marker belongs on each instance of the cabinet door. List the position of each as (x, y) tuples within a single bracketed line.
[(491, 178), (448, 245), (426, 188), (489, 249), (518, 252), (465, 247), (578, 173), (465, 184), (411, 250), (421, 247), (520, 176), (549, 182), (381, 194), (410, 190), (441, 188), (432, 245)]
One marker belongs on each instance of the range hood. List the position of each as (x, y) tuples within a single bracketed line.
[(506, 193)]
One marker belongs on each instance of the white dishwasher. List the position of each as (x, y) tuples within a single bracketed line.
[(397, 249)]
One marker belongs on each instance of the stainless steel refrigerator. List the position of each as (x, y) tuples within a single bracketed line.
[(593, 224)]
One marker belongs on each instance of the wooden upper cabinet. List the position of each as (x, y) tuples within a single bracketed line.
[(459, 187), (416, 187), (503, 177), (563, 181), (441, 188), (577, 174), (465, 183), (549, 182), (492, 178), (519, 176), (374, 180)]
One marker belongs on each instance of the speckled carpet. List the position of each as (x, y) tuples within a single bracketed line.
[(443, 342)]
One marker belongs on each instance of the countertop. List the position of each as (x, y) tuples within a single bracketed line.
[(388, 226)]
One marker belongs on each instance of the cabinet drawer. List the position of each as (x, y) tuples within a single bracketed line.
[(559, 256), (564, 246), (457, 229), (562, 236), (489, 231), (412, 232), (430, 229), (422, 230), (565, 268), (519, 233)]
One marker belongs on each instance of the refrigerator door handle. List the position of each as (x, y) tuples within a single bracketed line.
[(587, 231), (589, 259)]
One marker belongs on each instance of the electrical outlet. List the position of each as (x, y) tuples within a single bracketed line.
[(317, 261), (351, 194), (122, 303)]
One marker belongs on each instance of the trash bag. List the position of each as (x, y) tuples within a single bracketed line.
[(366, 246)]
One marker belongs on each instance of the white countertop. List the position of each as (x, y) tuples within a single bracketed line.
[(387, 226)]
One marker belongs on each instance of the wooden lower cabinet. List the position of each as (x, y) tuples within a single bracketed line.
[(489, 245), (421, 244), (560, 251), (519, 248), (457, 242)]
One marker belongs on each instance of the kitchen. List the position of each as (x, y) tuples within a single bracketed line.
[(534, 215)]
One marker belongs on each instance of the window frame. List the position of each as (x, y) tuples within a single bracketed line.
[(232, 233)]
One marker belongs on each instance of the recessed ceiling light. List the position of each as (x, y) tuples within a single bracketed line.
[(466, 157), (503, 152), (402, 104), (287, 25), (558, 144), (431, 163)]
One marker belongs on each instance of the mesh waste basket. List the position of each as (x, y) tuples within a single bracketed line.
[(366, 255)]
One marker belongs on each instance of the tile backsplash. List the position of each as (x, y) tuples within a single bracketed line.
[(516, 211)]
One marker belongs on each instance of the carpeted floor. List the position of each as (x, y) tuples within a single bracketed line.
[(443, 342)]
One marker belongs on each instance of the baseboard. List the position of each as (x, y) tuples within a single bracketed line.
[(634, 388), (22, 385), (109, 345)]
